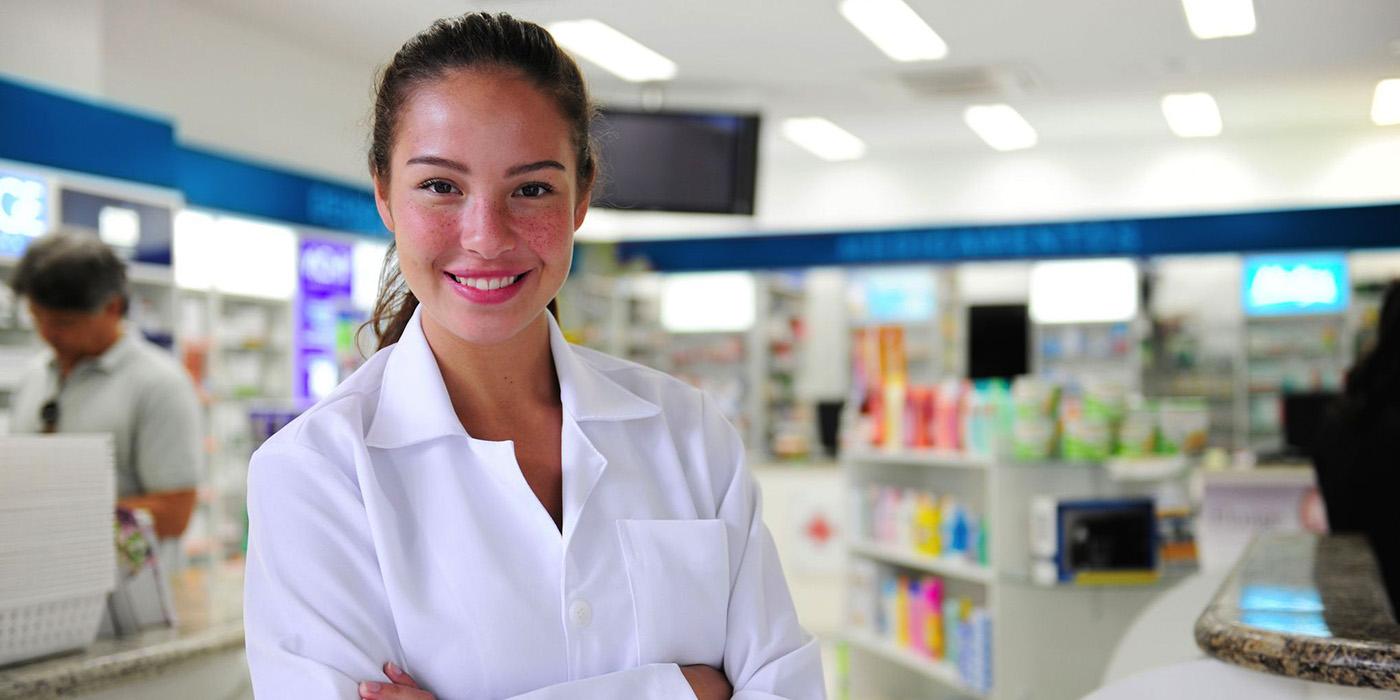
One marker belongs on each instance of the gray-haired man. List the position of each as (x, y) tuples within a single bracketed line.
[(102, 377)]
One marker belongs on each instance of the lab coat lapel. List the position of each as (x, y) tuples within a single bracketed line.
[(587, 395)]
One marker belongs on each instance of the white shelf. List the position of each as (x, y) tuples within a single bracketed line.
[(951, 568), (940, 671), (921, 458)]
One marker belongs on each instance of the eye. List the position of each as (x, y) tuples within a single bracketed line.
[(439, 187), (534, 190)]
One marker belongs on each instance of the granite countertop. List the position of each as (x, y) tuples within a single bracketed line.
[(209, 608), (1307, 606)]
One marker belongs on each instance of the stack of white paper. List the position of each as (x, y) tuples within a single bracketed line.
[(57, 558)]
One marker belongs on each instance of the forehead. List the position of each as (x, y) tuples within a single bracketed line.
[(58, 315), (486, 113)]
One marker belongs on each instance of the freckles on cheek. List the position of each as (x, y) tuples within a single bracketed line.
[(544, 232), (427, 230)]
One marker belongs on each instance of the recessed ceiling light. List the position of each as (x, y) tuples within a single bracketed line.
[(1001, 126), (1216, 19), (1385, 107), (612, 51), (1192, 115), (823, 138), (895, 28)]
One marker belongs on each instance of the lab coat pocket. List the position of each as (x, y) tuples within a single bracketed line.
[(678, 571)]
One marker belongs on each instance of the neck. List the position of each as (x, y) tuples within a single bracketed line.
[(100, 346), (492, 385)]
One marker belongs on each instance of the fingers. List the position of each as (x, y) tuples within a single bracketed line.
[(371, 690), (402, 687), (398, 676)]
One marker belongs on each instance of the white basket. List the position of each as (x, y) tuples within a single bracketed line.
[(35, 629)]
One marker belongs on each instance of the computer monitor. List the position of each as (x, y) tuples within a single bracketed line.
[(1303, 414)]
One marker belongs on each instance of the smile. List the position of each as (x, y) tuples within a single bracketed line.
[(485, 284)]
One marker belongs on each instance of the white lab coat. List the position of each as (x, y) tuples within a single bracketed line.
[(382, 531)]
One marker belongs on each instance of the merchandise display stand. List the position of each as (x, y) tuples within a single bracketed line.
[(751, 374), (1046, 640), (239, 350)]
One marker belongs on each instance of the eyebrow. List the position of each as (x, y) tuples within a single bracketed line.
[(515, 170)]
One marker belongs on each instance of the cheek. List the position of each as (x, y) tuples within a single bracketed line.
[(547, 233), (422, 232)]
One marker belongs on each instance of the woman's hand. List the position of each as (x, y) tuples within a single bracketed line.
[(707, 682), (402, 687)]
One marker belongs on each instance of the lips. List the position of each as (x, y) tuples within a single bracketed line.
[(486, 287)]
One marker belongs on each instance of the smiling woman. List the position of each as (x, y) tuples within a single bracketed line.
[(483, 510)]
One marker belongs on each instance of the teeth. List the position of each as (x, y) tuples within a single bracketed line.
[(485, 284)]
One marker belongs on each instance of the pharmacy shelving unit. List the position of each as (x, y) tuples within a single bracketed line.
[(1287, 354), (750, 374), (788, 422), (1048, 641), (246, 348)]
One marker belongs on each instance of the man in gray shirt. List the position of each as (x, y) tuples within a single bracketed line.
[(100, 376)]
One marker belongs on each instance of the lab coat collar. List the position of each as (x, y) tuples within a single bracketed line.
[(414, 406), (586, 392)]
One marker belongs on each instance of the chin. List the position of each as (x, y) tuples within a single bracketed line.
[(486, 328)]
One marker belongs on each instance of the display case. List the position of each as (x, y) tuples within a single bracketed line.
[(956, 530)]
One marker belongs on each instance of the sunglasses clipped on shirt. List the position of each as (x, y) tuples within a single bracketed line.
[(48, 413)]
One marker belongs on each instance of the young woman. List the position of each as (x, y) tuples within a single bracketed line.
[(483, 510)]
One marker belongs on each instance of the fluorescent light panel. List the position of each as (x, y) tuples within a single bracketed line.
[(1192, 115), (1001, 126), (823, 138), (1216, 19), (895, 29), (1385, 107), (708, 302), (612, 51), (1084, 291)]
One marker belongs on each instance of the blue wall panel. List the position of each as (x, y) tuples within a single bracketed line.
[(219, 181), (47, 128)]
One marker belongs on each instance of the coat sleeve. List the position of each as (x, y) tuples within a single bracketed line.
[(316, 616), (767, 654), (652, 682)]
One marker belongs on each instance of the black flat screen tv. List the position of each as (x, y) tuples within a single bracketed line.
[(998, 341), (677, 161)]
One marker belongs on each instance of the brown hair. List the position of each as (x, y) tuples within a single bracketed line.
[(473, 40)]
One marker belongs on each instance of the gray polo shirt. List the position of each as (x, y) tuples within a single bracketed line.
[(137, 393)]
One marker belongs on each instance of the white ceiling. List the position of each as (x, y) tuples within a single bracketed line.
[(1083, 70)]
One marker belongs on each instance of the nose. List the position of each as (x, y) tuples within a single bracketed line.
[(486, 228)]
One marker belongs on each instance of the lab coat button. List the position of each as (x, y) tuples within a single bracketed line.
[(581, 613)]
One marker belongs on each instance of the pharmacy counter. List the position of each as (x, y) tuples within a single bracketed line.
[(1306, 606), (201, 657)]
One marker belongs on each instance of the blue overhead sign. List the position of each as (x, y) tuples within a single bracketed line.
[(1305, 229)]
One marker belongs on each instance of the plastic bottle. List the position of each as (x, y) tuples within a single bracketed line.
[(934, 622), (901, 611)]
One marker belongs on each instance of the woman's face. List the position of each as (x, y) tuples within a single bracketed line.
[(483, 200)]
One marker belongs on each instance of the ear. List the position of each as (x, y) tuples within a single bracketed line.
[(116, 307), (381, 202), (581, 209)]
